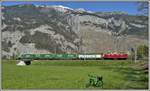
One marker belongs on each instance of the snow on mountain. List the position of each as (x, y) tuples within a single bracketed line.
[(61, 8), (81, 9)]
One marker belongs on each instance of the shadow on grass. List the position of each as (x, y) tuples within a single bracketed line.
[(134, 78)]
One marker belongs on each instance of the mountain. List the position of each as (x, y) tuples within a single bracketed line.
[(58, 29)]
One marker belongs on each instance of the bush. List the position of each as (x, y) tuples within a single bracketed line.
[(142, 51)]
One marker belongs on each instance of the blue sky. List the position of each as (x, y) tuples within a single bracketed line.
[(129, 7)]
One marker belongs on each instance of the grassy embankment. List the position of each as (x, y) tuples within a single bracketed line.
[(59, 74)]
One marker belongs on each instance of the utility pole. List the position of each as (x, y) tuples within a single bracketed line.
[(135, 54), (85, 48), (80, 45), (55, 49), (125, 43)]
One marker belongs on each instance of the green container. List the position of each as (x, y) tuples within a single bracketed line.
[(71, 56), (48, 56), (65, 56), (27, 56), (58, 56), (37, 56), (43, 56)]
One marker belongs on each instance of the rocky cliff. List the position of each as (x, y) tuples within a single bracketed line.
[(59, 29)]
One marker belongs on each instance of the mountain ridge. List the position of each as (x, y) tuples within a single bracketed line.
[(28, 28)]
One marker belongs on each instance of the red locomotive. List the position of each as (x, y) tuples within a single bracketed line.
[(115, 56)]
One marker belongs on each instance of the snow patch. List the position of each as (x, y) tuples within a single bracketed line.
[(80, 9), (61, 8)]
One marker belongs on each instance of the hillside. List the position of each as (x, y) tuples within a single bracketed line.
[(59, 29)]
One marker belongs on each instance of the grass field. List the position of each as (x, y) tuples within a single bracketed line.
[(59, 74)]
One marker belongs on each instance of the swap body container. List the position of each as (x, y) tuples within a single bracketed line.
[(89, 56), (48, 56)]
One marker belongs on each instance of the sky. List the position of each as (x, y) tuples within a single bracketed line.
[(129, 7)]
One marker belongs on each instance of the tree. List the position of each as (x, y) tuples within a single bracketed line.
[(142, 51)]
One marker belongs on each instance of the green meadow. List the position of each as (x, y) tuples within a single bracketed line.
[(73, 74)]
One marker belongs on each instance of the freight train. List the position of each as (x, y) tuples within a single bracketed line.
[(26, 57)]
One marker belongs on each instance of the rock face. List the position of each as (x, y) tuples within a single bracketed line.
[(59, 29)]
